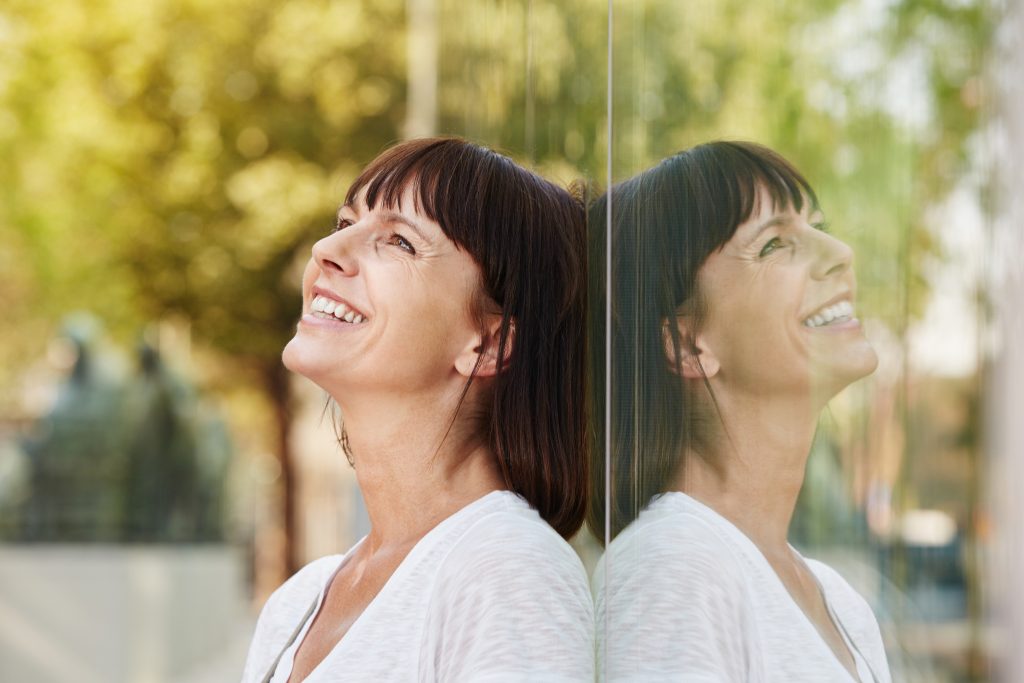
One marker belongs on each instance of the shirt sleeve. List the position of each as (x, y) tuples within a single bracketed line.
[(511, 604), (672, 606)]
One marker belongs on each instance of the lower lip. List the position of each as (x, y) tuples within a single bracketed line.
[(845, 326), (332, 323)]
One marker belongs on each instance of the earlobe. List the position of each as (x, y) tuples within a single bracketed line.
[(695, 361), (701, 365), (480, 358)]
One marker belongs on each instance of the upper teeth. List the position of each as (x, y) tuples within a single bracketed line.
[(338, 309), (843, 309)]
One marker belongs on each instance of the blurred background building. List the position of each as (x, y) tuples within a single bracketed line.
[(165, 166)]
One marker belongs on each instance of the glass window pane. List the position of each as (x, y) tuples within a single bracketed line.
[(748, 426)]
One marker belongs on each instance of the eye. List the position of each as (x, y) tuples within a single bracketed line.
[(341, 224), (823, 226), (401, 243), (773, 244)]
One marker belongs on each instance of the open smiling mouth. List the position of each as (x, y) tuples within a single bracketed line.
[(835, 314), (322, 307)]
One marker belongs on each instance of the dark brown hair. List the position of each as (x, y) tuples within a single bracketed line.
[(528, 237), (665, 223)]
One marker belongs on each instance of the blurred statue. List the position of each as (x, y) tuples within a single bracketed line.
[(76, 454), (213, 455), (124, 460), (161, 471), (178, 452)]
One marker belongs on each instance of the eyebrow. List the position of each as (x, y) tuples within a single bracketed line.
[(771, 222), (393, 217), (783, 219)]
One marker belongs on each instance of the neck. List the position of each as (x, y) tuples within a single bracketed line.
[(754, 469), (412, 470)]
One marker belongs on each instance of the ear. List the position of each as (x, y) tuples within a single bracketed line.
[(481, 353), (697, 361)]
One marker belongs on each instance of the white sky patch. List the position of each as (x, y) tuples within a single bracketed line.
[(945, 341), (851, 43)]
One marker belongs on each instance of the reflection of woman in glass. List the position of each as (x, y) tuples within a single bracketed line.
[(733, 323), (444, 314)]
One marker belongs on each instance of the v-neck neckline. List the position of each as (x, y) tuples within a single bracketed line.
[(858, 656), (402, 568), (741, 537), (294, 648)]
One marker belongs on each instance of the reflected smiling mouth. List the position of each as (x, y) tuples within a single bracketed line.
[(832, 314)]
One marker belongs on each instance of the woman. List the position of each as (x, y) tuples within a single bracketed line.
[(733, 323), (444, 316)]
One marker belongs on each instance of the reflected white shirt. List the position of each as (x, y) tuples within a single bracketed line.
[(490, 594), (683, 595)]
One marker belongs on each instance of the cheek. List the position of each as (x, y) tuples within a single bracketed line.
[(753, 330), (429, 327)]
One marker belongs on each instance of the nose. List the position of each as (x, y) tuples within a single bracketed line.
[(832, 256), (336, 252)]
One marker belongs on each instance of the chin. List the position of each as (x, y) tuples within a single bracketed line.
[(298, 358), (870, 362), (838, 371), (861, 361), (851, 368), (307, 357)]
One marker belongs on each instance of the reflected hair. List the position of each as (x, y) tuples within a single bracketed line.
[(527, 235), (665, 223)]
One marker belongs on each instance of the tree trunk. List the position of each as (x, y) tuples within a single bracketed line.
[(279, 392), (422, 68)]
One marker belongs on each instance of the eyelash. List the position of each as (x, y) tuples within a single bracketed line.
[(765, 251), (395, 238), (402, 243), (776, 243)]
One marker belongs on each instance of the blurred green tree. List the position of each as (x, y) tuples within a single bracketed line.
[(176, 158)]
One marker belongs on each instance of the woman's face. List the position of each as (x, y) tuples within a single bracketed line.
[(781, 314), (387, 304)]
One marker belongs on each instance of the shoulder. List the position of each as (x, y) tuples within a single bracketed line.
[(511, 602), (673, 542), (675, 568), (510, 546), (508, 530), (672, 592)]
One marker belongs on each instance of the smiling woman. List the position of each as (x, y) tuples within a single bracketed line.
[(733, 323), (444, 315)]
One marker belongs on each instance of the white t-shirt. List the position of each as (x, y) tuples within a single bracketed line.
[(490, 594), (683, 595)]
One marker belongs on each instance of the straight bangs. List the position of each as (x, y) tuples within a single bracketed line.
[(449, 178), (698, 198), (730, 180)]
